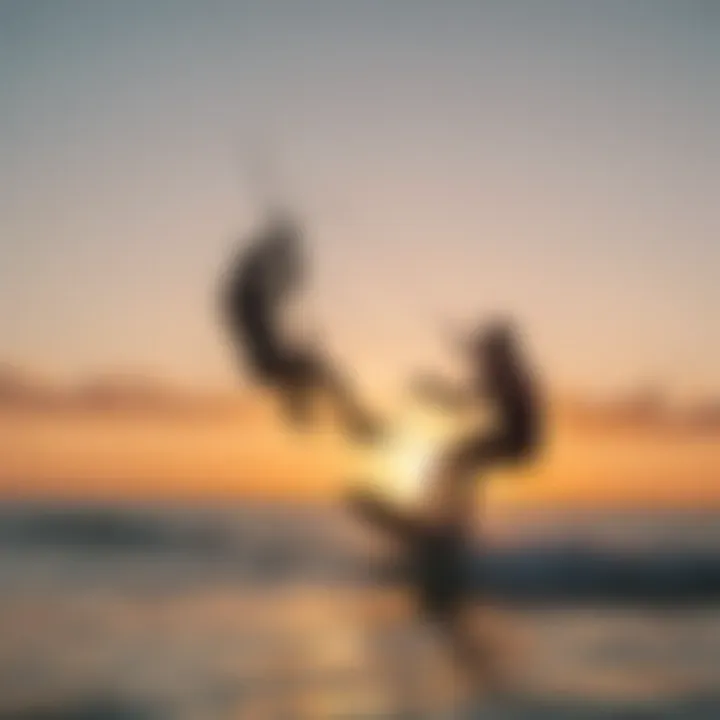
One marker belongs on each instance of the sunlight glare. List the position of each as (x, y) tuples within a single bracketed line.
[(407, 463)]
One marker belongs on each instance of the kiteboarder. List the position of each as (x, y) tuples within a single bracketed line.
[(256, 291)]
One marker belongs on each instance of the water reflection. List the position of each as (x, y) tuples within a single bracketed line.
[(317, 652)]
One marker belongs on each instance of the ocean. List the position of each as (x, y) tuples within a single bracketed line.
[(275, 610)]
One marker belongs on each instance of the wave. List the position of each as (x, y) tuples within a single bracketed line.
[(105, 530), (286, 544), (699, 707), (86, 709)]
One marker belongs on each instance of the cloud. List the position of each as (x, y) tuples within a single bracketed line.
[(123, 394), (641, 410), (134, 395)]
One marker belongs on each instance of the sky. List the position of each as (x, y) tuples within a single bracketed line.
[(556, 160)]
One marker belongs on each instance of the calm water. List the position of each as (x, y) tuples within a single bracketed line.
[(251, 613)]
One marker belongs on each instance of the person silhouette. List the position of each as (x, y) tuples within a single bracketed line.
[(438, 539), (254, 294), (500, 376)]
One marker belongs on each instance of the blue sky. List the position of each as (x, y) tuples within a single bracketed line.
[(559, 160)]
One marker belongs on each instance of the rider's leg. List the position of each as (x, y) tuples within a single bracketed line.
[(474, 655), (404, 527), (458, 467)]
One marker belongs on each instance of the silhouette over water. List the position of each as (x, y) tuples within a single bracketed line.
[(438, 537), (500, 375), (261, 280)]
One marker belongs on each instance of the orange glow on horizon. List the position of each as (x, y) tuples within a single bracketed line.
[(128, 459)]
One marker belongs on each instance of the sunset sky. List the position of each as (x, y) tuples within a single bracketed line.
[(559, 160)]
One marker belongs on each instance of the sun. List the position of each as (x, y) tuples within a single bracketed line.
[(406, 463)]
